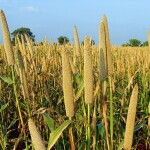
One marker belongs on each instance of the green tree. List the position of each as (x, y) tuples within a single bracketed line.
[(134, 42), (22, 31), (125, 45), (144, 43), (63, 40)]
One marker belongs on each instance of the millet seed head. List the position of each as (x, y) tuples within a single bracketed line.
[(7, 39), (88, 72)]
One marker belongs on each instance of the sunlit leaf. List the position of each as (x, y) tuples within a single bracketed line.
[(120, 145), (7, 79), (49, 121), (3, 107), (78, 94), (57, 133)]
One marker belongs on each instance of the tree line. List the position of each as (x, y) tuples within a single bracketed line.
[(64, 39), (135, 43)]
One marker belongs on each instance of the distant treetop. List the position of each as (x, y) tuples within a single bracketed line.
[(22, 31), (62, 40), (135, 43)]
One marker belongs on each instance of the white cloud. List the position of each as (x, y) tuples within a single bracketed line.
[(30, 9)]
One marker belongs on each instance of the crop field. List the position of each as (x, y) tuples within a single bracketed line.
[(73, 96)]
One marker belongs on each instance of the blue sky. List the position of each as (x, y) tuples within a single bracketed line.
[(53, 18)]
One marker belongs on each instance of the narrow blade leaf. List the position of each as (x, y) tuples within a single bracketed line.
[(57, 133), (7, 80), (78, 94), (49, 121), (3, 107)]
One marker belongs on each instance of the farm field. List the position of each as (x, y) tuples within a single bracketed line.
[(73, 96)]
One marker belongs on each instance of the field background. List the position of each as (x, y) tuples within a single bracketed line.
[(43, 71)]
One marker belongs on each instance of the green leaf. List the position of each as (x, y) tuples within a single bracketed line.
[(138, 126), (57, 133), (7, 80), (79, 116), (12, 123), (78, 94), (60, 100), (76, 77), (102, 132), (3, 107), (120, 145), (49, 121)]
